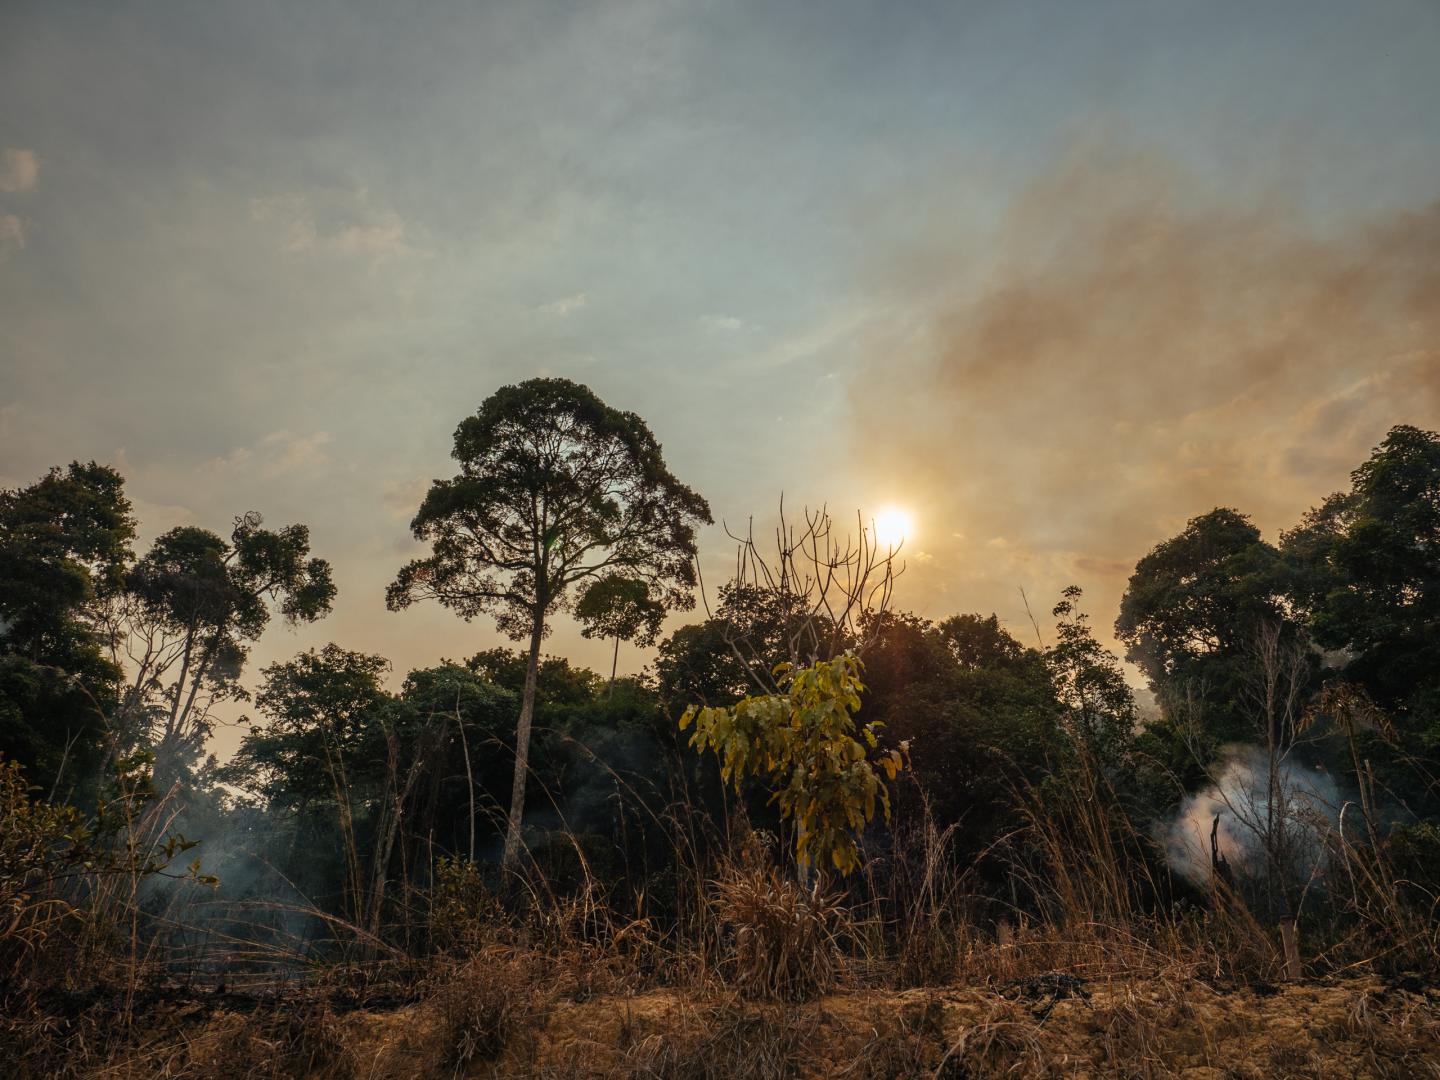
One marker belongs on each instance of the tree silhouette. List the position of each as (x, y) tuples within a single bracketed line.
[(555, 488)]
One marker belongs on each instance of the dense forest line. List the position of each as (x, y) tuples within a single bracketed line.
[(806, 785)]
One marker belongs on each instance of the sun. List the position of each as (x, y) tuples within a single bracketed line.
[(893, 526)]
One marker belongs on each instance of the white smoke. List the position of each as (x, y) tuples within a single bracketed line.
[(1305, 804)]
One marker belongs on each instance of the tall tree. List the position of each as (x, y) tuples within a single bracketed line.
[(1097, 705), (64, 544), (1369, 573), (323, 746), (191, 607), (1191, 612), (555, 488)]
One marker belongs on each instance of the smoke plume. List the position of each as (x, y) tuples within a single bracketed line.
[(1294, 815), (1124, 350)]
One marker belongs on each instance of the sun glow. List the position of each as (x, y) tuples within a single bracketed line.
[(893, 526)]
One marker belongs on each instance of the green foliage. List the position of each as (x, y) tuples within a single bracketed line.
[(804, 740), (1359, 577), (52, 855), (39, 842), (463, 912), (982, 643), (977, 710), (1366, 567), (557, 682), (63, 540), (1098, 706), (555, 487), (736, 650), (1192, 609), (696, 665), (615, 606), (320, 711), (194, 603), (64, 543), (1368, 562)]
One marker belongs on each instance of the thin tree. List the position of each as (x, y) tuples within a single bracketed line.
[(619, 607), (818, 594), (183, 626), (555, 488)]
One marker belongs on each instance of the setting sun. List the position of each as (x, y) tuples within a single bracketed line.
[(893, 527)]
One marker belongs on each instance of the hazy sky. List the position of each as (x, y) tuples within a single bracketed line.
[(1054, 276)]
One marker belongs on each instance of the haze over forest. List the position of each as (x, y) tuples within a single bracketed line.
[(403, 676), (1052, 277)]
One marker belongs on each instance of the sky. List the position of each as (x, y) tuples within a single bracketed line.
[(1054, 277)]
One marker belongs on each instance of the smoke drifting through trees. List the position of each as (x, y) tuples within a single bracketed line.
[(1308, 805)]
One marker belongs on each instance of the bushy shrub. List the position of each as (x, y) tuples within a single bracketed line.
[(782, 934)]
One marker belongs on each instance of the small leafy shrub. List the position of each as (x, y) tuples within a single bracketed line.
[(39, 844), (463, 912), (55, 863), (803, 740)]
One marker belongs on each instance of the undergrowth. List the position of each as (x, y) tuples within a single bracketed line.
[(752, 969)]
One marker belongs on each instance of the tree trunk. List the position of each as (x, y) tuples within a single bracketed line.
[(522, 750), (391, 817), (469, 776), (1290, 945)]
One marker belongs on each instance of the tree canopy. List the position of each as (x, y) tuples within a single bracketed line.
[(64, 545), (555, 488), (192, 606), (1193, 607)]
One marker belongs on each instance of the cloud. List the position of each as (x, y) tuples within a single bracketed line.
[(335, 222), (402, 498), (12, 236), (1130, 351), (721, 323), (382, 237), (278, 454), (293, 213), (19, 170), (563, 307)]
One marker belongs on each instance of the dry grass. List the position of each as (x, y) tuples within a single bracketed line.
[(191, 1038), (480, 1007), (1141, 1028), (507, 1012), (784, 935)]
